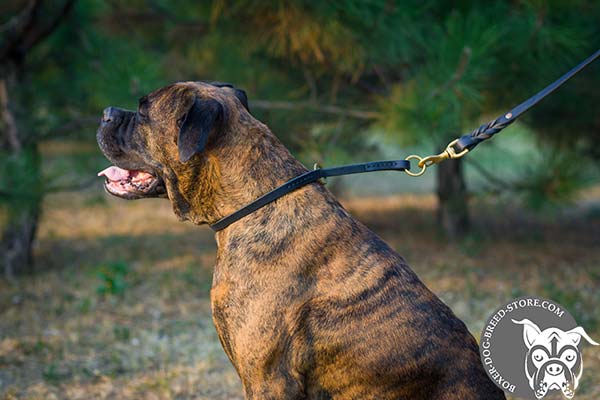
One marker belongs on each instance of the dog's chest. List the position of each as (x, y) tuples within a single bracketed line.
[(221, 313), (251, 312)]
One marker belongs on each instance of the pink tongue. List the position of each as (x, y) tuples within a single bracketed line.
[(114, 173)]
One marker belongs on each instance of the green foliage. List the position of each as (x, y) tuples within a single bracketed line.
[(431, 70), (327, 37), (85, 305), (113, 279), (20, 186), (335, 143), (86, 65), (444, 89), (553, 180), (572, 301), (54, 373), (122, 333)]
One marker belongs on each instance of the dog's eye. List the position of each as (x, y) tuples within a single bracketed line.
[(538, 355), (569, 355)]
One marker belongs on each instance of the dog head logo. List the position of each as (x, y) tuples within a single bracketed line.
[(553, 360)]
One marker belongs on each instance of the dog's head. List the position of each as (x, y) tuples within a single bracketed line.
[(156, 147), (553, 360)]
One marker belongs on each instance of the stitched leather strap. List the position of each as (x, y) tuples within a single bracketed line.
[(304, 179), (486, 131)]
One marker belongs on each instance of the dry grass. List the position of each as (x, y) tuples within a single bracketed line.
[(119, 307)]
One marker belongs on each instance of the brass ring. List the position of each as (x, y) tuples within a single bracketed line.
[(423, 168)]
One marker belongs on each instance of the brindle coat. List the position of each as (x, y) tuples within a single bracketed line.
[(308, 302)]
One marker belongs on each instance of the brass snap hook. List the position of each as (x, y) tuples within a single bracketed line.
[(448, 153)]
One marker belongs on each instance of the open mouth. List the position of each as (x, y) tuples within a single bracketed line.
[(132, 184), (554, 386)]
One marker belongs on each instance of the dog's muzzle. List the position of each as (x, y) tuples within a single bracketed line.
[(129, 177), (554, 375)]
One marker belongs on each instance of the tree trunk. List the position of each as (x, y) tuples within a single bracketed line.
[(17, 242), (19, 154), (453, 211), (23, 207)]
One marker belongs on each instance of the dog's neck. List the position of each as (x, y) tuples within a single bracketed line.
[(238, 169)]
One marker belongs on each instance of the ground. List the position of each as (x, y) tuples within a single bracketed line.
[(119, 305)]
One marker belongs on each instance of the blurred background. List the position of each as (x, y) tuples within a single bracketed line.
[(103, 298)]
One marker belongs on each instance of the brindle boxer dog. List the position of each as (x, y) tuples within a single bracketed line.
[(308, 303)]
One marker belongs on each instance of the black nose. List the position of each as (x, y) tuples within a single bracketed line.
[(112, 115), (554, 369)]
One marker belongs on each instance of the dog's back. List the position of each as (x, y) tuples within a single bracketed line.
[(399, 341)]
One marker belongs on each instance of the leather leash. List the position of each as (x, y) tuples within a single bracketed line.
[(456, 149), (306, 178), (461, 146)]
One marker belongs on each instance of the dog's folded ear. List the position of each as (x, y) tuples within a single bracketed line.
[(203, 117), (239, 93)]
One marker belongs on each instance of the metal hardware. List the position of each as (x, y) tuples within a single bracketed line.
[(424, 162), (423, 167), (448, 153), (317, 166)]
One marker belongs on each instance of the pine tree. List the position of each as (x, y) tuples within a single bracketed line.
[(20, 169), (323, 75)]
